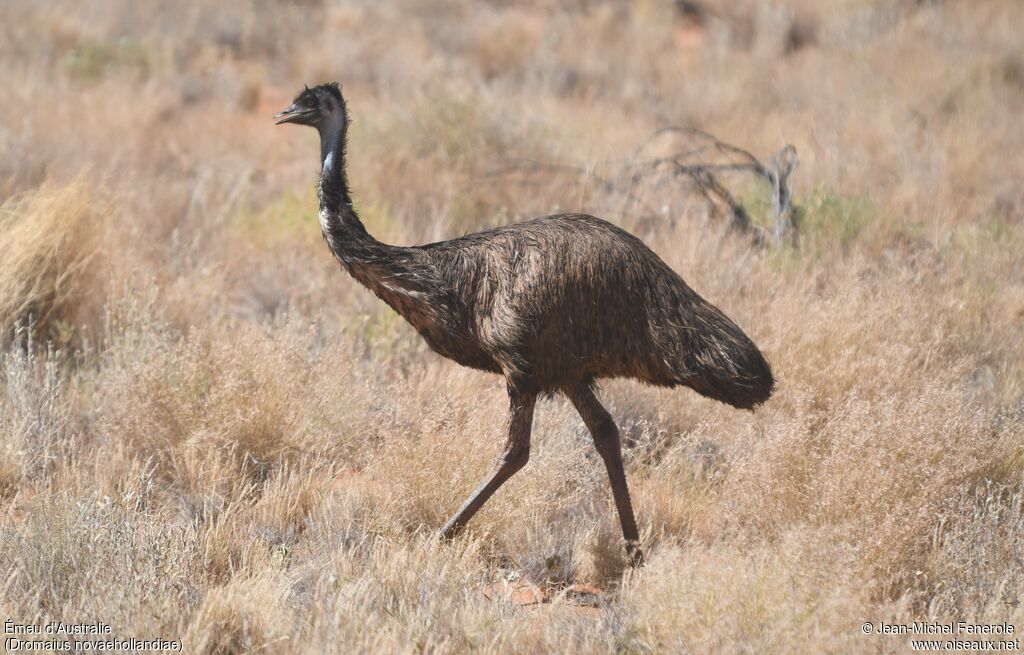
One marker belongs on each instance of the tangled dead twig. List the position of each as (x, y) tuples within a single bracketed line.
[(704, 165)]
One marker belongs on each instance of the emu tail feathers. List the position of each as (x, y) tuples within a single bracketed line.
[(740, 377), (717, 359)]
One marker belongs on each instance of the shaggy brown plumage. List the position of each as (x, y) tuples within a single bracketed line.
[(551, 304)]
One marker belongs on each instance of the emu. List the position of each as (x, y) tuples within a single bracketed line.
[(553, 305)]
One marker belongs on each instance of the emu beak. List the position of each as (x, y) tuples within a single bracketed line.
[(292, 114)]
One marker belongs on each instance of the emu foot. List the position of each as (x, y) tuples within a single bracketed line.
[(449, 531), (636, 555)]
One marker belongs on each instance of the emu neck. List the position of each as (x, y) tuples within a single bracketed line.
[(337, 217), (377, 266)]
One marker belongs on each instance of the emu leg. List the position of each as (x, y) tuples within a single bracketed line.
[(606, 439), (514, 457)]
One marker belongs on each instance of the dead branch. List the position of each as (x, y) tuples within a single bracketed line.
[(783, 165), (703, 165)]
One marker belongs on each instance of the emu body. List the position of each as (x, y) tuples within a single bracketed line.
[(552, 305)]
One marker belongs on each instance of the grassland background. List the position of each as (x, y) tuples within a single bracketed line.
[(210, 432)]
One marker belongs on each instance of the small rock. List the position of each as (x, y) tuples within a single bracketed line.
[(584, 595), (518, 592)]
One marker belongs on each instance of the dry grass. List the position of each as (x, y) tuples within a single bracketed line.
[(51, 236), (211, 433)]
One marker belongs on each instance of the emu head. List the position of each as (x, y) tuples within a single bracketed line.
[(321, 107)]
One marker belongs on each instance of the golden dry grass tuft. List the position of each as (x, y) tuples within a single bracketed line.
[(211, 433), (51, 238)]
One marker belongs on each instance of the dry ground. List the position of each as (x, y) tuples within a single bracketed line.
[(210, 432)]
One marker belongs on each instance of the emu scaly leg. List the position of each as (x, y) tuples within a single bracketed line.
[(606, 439), (513, 458)]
